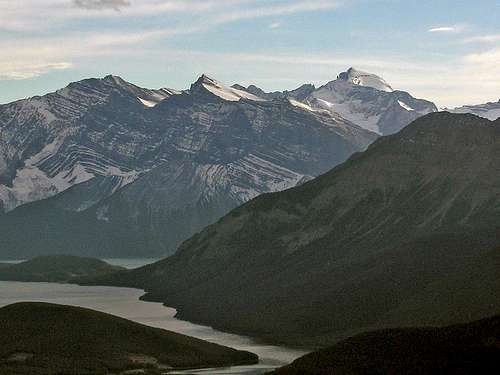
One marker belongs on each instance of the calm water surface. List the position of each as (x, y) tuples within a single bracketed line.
[(125, 302)]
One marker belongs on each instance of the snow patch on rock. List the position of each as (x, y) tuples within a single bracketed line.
[(227, 93), (405, 106), (148, 103)]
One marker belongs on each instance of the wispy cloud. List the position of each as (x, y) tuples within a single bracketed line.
[(38, 15), (47, 49), (445, 83), (42, 36), (101, 4), (489, 58), (277, 10), (447, 29), (492, 38), (15, 72)]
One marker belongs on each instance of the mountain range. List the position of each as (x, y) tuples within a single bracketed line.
[(403, 234), (489, 110), (300, 217), (106, 168)]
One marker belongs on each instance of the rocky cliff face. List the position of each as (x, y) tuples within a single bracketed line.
[(88, 129), (132, 171)]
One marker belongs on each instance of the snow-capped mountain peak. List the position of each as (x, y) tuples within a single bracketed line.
[(369, 101), (360, 78), (217, 88)]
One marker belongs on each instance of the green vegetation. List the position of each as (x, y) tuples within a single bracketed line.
[(404, 234), (469, 349), (47, 339), (56, 268)]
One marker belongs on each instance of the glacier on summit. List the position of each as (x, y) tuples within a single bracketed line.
[(357, 77), (364, 99), (370, 102)]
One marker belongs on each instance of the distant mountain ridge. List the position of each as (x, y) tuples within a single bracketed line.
[(106, 168), (114, 169), (403, 234), (490, 110)]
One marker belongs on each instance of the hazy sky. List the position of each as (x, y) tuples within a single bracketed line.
[(444, 50)]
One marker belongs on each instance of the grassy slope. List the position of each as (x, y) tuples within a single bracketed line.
[(72, 340), (56, 268), (472, 348)]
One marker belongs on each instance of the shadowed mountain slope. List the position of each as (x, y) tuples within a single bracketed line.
[(403, 234)]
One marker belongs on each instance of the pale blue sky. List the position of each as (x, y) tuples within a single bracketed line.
[(445, 50)]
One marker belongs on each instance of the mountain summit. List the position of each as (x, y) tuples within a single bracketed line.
[(222, 91), (367, 100), (360, 78), (360, 97)]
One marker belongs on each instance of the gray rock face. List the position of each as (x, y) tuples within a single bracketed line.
[(90, 128), (113, 169)]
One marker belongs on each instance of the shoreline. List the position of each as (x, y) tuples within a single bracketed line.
[(162, 316)]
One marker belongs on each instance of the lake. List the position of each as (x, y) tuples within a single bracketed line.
[(124, 302)]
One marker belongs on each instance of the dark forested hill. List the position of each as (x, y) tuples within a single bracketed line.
[(55, 268), (469, 349), (47, 339)]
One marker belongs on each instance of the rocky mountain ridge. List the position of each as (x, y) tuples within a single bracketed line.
[(114, 169), (490, 110)]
